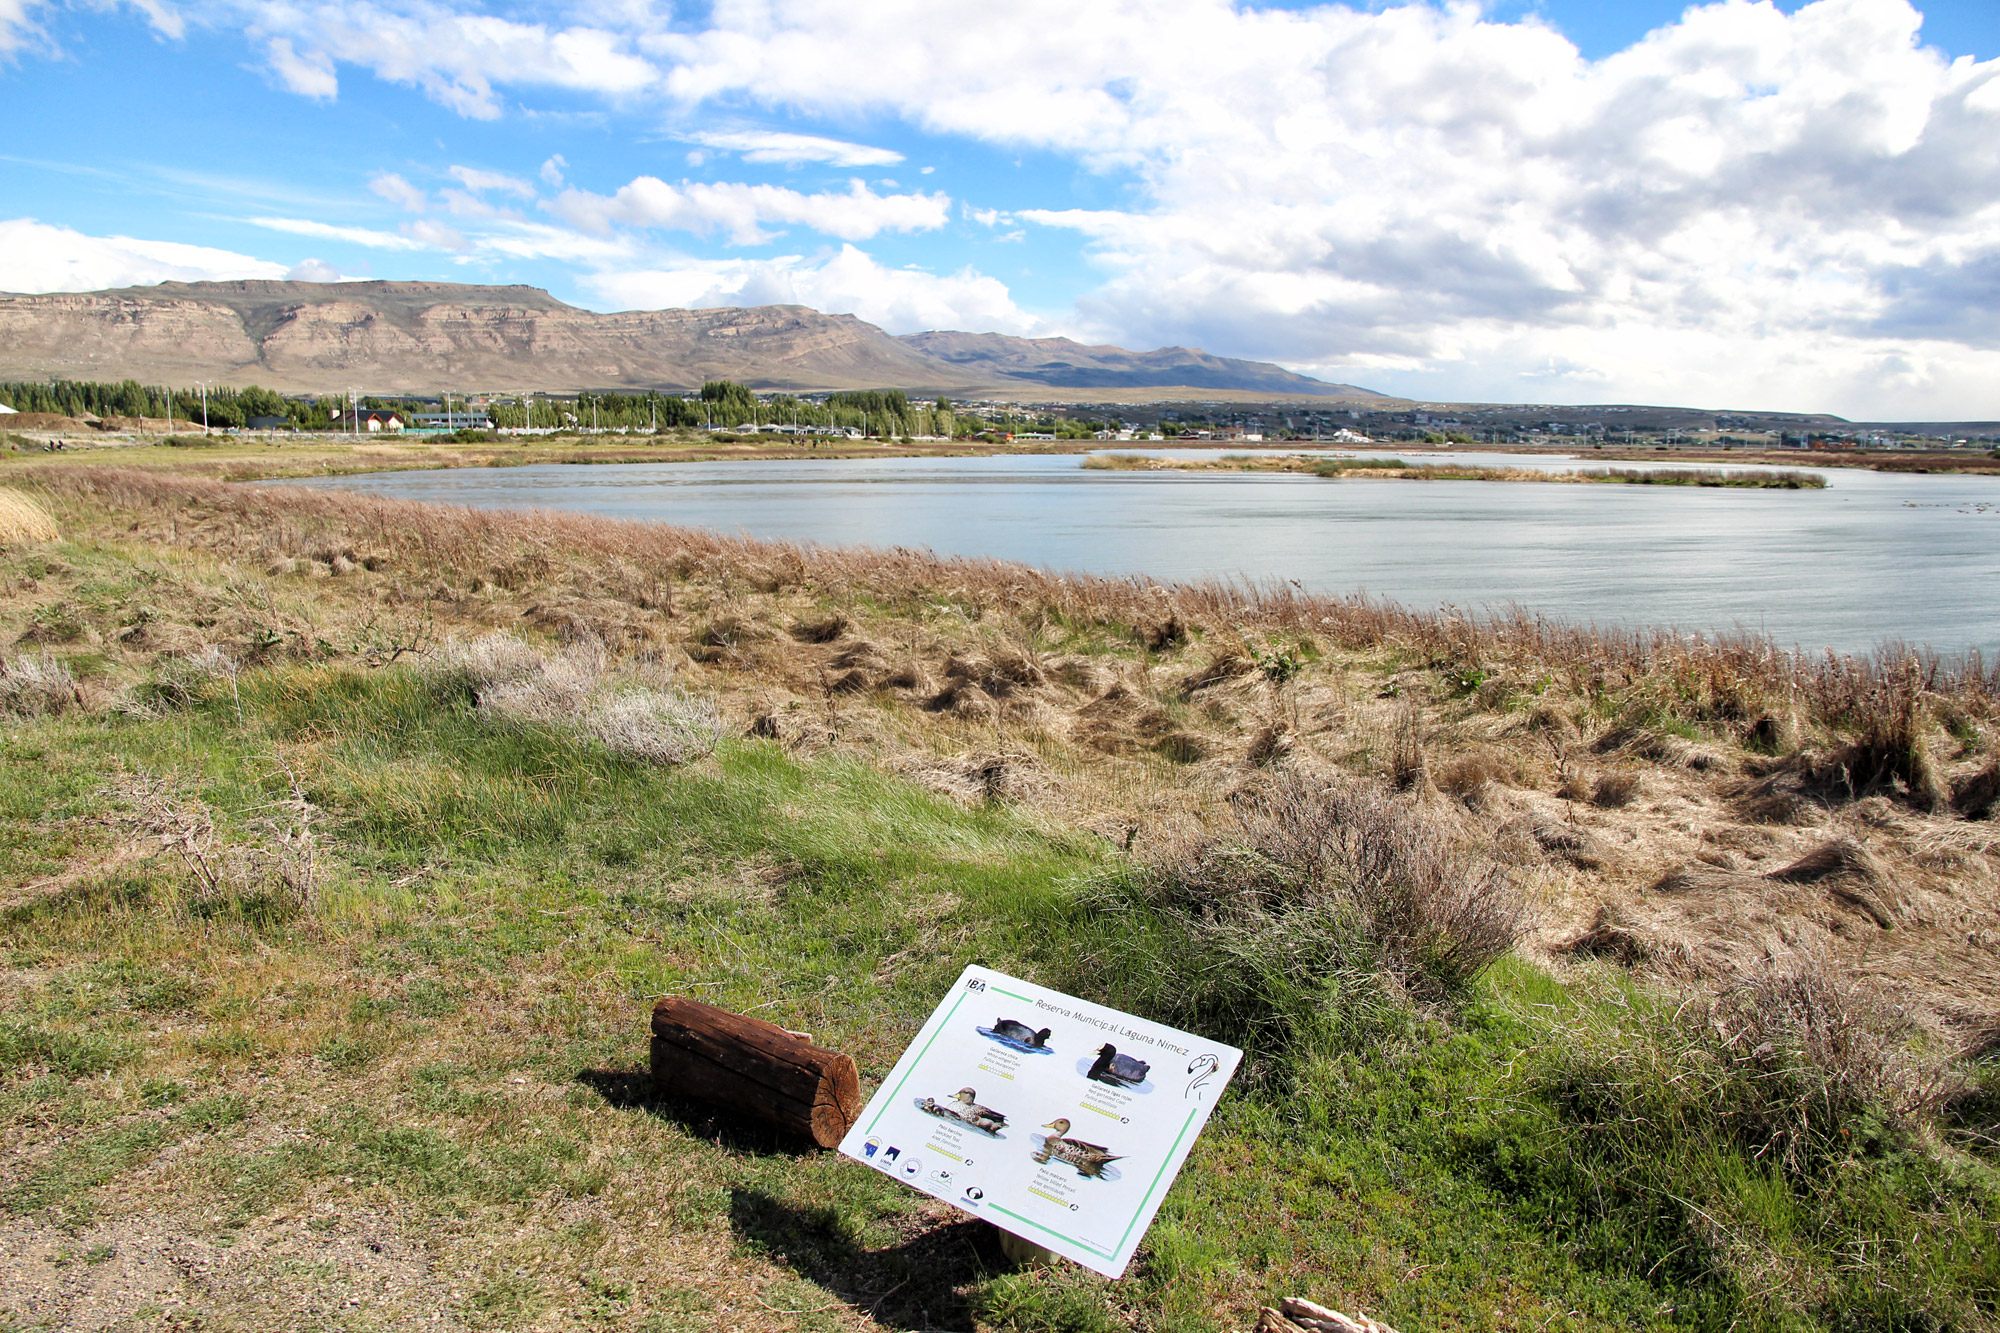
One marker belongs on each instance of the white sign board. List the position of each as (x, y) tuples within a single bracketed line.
[(1059, 1120)]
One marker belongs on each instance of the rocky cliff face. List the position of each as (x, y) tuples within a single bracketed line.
[(421, 336)]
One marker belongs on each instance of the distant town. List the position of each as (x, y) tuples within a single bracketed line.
[(723, 406)]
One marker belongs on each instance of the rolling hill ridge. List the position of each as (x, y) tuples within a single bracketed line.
[(423, 336)]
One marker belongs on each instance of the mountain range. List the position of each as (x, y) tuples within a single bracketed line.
[(410, 337)]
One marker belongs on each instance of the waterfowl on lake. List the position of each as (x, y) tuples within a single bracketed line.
[(1111, 1067), (1089, 1159), (1015, 1030)]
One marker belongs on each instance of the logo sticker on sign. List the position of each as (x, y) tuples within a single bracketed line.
[(1078, 1116)]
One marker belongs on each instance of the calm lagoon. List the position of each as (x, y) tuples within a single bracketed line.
[(1875, 557)]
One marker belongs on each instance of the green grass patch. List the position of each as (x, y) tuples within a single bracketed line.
[(500, 904)]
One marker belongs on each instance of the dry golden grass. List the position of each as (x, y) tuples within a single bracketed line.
[(1685, 808), (1601, 760), (22, 520)]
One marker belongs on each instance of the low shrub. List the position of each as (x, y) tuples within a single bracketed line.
[(1320, 892), (573, 691), (38, 686)]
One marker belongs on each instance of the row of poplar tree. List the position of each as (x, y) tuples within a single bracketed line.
[(719, 403)]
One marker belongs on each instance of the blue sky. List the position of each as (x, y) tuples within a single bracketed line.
[(1787, 206)]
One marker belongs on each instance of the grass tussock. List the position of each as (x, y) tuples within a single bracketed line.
[(1727, 1141), (1322, 889), (38, 686), (572, 691), (1719, 677), (22, 520), (335, 913)]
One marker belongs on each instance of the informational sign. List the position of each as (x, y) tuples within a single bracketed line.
[(1059, 1120)]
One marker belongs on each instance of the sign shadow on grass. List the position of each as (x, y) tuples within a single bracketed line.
[(924, 1282)]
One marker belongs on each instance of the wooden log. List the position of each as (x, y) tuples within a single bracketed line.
[(753, 1068)]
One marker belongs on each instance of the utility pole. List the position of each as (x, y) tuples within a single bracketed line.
[(203, 386)]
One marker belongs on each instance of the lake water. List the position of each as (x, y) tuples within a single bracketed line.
[(1874, 557)]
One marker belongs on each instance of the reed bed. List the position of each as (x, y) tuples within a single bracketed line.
[(1707, 478), (1398, 469), (1722, 677)]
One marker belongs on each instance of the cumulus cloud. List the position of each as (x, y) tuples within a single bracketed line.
[(741, 212), (849, 281), (795, 149), (1439, 198), (456, 58), (1746, 202), (36, 257)]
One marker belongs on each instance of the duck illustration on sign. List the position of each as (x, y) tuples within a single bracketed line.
[(1016, 1035), (1089, 1159), (1038, 1190), (964, 1107), (1120, 1071)]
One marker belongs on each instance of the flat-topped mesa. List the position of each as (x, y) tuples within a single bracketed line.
[(402, 337)]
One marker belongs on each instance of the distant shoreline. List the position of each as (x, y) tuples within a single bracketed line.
[(278, 456), (1396, 469)]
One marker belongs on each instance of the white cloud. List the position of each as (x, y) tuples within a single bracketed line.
[(1353, 187), (426, 232), (17, 24), (310, 75), (533, 240), (375, 240), (740, 212), (1747, 204), (398, 191), (850, 281), (312, 270), (486, 182), (36, 257), (164, 18), (794, 149), (456, 58)]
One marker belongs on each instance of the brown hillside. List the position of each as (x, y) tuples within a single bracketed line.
[(426, 336)]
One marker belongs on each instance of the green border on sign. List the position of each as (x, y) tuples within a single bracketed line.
[(945, 1022)]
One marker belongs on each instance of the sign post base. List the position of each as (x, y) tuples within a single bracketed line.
[(1024, 1253)]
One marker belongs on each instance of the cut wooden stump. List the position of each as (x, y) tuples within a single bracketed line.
[(755, 1069)]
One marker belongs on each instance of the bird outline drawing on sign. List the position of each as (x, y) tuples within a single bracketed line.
[(1203, 1068)]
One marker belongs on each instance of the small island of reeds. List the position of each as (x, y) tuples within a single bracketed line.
[(1403, 470)]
